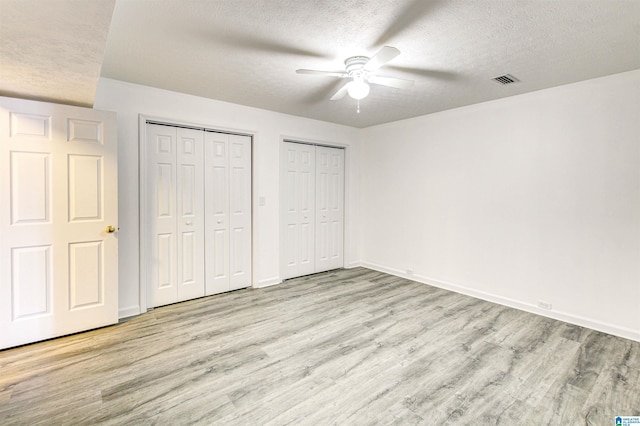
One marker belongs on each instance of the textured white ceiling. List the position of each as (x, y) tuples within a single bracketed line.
[(247, 51), (53, 49)]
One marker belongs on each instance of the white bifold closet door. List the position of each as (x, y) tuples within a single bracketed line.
[(312, 209), (199, 230), (175, 156), (298, 209), (227, 212)]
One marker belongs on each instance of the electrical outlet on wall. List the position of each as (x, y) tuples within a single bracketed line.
[(544, 305)]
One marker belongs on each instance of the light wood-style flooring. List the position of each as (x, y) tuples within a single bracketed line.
[(348, 347)]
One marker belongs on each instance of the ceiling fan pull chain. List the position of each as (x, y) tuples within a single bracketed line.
[(358, 107)]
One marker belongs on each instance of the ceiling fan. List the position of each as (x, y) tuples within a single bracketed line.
[(360, 70)]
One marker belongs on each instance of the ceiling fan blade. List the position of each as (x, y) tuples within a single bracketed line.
[(414, 11), (318, 93), (247, 41), (398, 83), (383, 56), (340, 74), (340, 93), (429, 73)]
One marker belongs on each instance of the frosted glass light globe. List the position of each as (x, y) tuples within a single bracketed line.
[(358, 89)]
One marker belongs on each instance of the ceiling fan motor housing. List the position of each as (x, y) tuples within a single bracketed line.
[(355, 65)]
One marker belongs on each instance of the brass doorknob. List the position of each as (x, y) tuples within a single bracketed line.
[(110, 229)]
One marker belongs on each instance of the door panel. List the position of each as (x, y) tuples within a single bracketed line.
[(220, 263), (58, 183), (216, 212), (85, 188), (240, 212), (298, 212), (31, 281), (164, 190), (85, 274), (228, 212), (190, 212), (30, 187), (330, 210), (162, 242), (165, 250)]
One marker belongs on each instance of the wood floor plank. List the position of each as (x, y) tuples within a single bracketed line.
[(355, 347), (616, 391)]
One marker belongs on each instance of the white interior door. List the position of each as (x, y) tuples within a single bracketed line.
[(329, 208), (58, 189), (228, 212), (298, 209)]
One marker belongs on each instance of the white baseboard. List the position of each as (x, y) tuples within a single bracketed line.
[(615, 330), (352, 265), (268, 282), (128, 312)]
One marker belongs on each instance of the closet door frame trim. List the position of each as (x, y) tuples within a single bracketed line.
[(144, 208), (346, 205)]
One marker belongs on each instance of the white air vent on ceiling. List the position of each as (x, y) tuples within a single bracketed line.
[(505, 79)]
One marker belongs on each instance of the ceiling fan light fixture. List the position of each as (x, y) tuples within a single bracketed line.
[(360, 70), (358, 89)]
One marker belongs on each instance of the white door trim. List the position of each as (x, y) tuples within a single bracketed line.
[(143, 119)]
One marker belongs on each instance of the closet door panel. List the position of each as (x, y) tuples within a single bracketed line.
[(217, 212), (289, 211), (306, 209), (162, 244), (323, 222), (190, 213), (333, 213), (240, 211), (298, 202)]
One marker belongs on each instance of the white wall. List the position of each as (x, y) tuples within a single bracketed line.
[(130, 100), (528, 198), (533, 197)]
